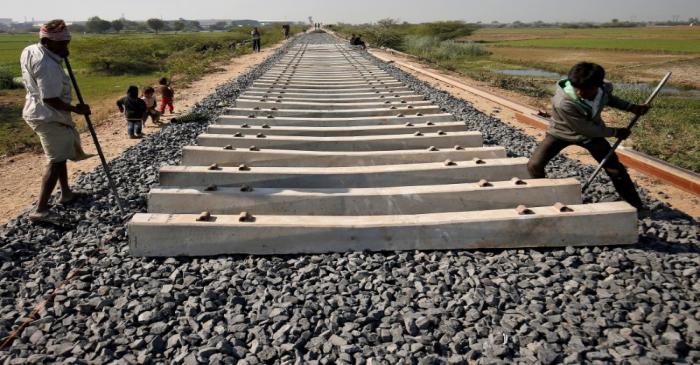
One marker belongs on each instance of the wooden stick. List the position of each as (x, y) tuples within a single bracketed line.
[(629, 126), (110, 182)]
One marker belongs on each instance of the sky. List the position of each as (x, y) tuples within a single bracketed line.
[(356, 11)]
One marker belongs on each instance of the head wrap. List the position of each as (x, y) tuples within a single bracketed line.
[(55, 30)]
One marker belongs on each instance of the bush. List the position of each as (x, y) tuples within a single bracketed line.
[(383, 37), (431, 48), (455, 50), (119, 56), (6, 77), (445, 30)]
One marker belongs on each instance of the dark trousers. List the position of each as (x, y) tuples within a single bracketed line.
[(599, 148), (256, 45)]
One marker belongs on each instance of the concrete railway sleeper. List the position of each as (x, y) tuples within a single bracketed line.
[(418, 140), (327, 152), (265, 157), (365, 201), (339, 131), (399, 119)]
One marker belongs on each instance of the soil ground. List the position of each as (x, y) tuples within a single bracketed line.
[(672, 196), (20, 175)]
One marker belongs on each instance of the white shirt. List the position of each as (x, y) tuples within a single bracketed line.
[(150, 102), (44, 78)]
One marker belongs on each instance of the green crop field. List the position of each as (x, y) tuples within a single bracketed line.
[(649, 39), (650, 45), (646, 33), (10, 48)]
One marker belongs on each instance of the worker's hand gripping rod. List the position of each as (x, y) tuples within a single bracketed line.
[(94, 139), (629, 126)]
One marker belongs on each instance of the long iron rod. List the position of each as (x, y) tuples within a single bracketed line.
[(629, 126), (112, 186)]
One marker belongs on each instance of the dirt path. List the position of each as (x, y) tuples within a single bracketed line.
[(672, 196), (20, 175)]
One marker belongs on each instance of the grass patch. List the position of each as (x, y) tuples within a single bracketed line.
[(15, 134), (670, 131), (433, 49), (6, 77)]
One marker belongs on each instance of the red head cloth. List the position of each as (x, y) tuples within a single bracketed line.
[(55, 30)]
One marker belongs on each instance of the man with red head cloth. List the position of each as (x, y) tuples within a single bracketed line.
[(48, 109)]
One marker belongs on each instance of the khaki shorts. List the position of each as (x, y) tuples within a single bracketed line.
[(61, 142)]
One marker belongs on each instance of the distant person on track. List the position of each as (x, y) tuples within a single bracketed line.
[(167, 95), (149, 97), (255, 33), (47, 111), (134, 110), (356, 40), (577, 104), (285, 30)]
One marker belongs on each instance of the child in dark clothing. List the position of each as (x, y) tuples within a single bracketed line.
[(167, 94), (134, 110), (255, 33), (576, 120), (357, 41)]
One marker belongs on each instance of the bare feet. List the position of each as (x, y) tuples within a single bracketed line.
[(38, 215), (45, 217), (73, 196), (83, 156)]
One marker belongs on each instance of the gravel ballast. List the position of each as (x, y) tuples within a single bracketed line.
[(634, 304)]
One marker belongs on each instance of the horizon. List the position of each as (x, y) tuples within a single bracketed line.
[(69, 21), (366, 11)]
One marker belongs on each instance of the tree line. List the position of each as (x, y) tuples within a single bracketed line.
[(98, 25)]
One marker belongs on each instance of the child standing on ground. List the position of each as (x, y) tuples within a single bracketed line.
[(149, 98), (166, 96), (134, 110)]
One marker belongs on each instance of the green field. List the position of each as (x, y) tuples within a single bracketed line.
[(10, 48), (648, 39), (656, 45), (107, 64), (683, 33)]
